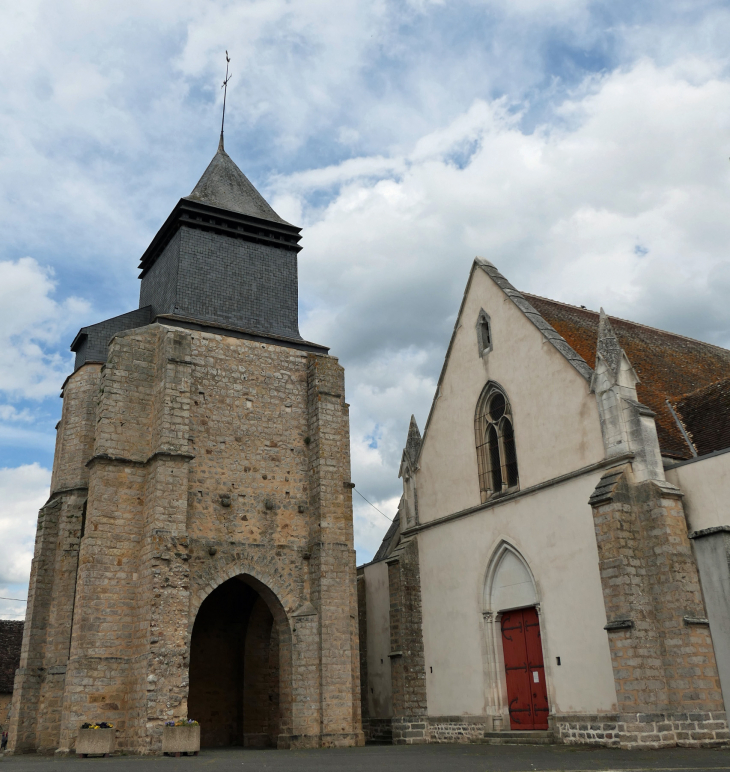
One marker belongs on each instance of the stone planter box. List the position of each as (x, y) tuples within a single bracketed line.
[(177, 740), (95, 742)]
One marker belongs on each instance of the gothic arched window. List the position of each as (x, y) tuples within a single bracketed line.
[(495, 439)]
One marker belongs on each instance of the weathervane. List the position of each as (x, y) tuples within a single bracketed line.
[(225, 92)]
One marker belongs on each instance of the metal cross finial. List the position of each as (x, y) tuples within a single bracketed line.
[(225, 92)]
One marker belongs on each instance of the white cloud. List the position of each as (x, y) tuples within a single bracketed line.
[(370, 526), (31, 324), (23, 491), (405, 137), (10, 413), (621, 203)]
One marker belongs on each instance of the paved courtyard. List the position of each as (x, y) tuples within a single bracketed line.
[(414, 758)]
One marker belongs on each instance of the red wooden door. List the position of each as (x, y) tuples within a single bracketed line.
[(526, 691), (536, 668)]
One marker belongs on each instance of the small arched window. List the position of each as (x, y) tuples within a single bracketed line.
[(484, 333), (495, 440)]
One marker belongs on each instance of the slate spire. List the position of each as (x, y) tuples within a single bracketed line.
[(225, 257), (224, 185)]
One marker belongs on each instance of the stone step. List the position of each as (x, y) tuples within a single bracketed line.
[(516, 737)]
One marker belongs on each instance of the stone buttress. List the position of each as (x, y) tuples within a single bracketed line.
[(409, 723), (667, 686)]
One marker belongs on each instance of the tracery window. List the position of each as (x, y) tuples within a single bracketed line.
[(495, 440)]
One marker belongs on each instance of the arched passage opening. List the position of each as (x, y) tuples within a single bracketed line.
[(236, 656)]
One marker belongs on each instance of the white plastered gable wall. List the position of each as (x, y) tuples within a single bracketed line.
[(557, 431), (556, 423)]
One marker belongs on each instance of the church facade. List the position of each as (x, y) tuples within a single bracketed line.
[(195, 557), (558, 567)]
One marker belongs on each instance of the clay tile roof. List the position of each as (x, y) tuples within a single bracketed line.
[(224, 185), (669, 366), (11, 637), (705, 414)]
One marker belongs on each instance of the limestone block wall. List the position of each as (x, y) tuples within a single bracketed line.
[(651, 590), (663, 658), (362, 631), (39, 683), (206, 457), (76, 430), (11, 641), (408, 669), (331, 536)]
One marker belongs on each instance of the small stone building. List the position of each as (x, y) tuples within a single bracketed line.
[(195, 557), (11, 637), (559, 565)]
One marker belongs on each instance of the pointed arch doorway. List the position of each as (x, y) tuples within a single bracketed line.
[(517, 689), (235, 671)]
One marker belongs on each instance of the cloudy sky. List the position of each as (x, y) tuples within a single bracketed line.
[(582, 146)]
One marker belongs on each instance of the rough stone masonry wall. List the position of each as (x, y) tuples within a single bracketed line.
[(76, 429), (644, 730), (40, 680), (456, 729), (408, 669), (213, 457), (362, 631), (664, 668), (332, 551), (105, 646), (248, 498), (11, 638)]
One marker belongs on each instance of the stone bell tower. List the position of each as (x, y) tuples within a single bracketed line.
[(195, 557)]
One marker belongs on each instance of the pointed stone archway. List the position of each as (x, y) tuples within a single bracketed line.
[(240, 655), (509, 585)]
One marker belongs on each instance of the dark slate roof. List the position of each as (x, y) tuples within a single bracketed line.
[(224, 185), (91, 343), (11, 637), (386, 546), (705, 414), (668, 365)]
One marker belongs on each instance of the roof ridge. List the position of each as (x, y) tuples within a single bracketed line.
[(628, 321)]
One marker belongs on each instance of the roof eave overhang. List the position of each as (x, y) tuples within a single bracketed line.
[(79, 339), (194, 214)]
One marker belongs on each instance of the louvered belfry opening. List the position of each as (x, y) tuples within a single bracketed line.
[(495, 442)]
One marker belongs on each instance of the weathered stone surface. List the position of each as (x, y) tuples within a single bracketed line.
[(191, 458), (664, 670), (408, 668), (99, 742), (180, 739)]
